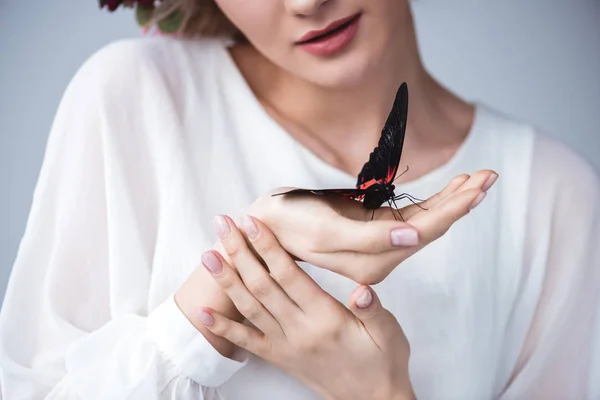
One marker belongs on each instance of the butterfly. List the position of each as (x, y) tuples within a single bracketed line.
[(375, 184)]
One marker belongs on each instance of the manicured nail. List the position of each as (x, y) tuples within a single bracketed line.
[(249, 227), (478, 200), (212, 263), (206, 318), (405, 237), (490, 181), (365, 299), (221, 226)]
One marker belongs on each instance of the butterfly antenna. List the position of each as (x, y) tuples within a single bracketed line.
[(405, 171)]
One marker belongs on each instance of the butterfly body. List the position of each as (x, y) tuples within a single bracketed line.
[(378, 194)]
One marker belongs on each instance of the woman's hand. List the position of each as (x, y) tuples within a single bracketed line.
[(337, 234), (359, 353)]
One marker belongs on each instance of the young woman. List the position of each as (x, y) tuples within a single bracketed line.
[(159, 142)]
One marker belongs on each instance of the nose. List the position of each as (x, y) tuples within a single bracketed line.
[(304, 7)]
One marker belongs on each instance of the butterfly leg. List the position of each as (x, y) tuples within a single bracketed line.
[(372, 215), (396, 209), (394, 212), (411, 198)]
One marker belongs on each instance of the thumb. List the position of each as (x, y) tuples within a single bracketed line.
[(378, 321)]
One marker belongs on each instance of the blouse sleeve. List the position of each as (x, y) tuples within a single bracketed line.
[(58, 337), (555, 324)]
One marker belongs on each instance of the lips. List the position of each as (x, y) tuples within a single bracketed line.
[(329, 30)]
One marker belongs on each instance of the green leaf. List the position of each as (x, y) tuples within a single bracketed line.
[(171, 23), (143, 14)]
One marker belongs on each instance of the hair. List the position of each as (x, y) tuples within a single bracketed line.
[(200, 18)]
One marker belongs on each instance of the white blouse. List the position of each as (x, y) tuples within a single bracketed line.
[(155, 136)]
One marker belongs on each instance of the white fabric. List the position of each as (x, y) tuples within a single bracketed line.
[(155, 136)]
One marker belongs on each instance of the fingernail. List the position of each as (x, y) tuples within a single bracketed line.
[(206, 318), (490, 181), (405, 237), (249, 227), (478, 200), (365, 299), (221, 226), (212, 263)]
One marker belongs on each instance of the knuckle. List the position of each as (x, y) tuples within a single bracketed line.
[(264, 244), (330, 332), (285, 277), (219, 329), (252, 312), (314, 339), (307, 346), (241, 341), (367, 276), (233, 247), (259, 288), (226, 280)]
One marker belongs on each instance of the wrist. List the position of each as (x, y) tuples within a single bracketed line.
[(403, 396)]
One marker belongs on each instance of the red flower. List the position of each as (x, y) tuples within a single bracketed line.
[(112, 5)]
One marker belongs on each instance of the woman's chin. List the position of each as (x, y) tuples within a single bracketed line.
[(339, 75)]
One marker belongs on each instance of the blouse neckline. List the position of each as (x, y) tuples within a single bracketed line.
[(254, 107)]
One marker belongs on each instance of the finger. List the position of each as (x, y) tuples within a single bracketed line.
[(366, 236), (451, 187), (296, 283), (255, 277), (239, 334), (235, 289), (434, 223), (482, 180), (379, 322)]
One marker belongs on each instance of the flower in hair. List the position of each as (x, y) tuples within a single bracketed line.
[(144, 13)]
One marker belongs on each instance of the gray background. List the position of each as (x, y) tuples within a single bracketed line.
[(539, 61)]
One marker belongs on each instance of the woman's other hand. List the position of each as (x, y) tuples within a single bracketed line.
[(341, 353), (338, 234)]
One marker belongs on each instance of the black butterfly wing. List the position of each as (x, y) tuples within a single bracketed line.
[(353, 194), (384, 160)]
